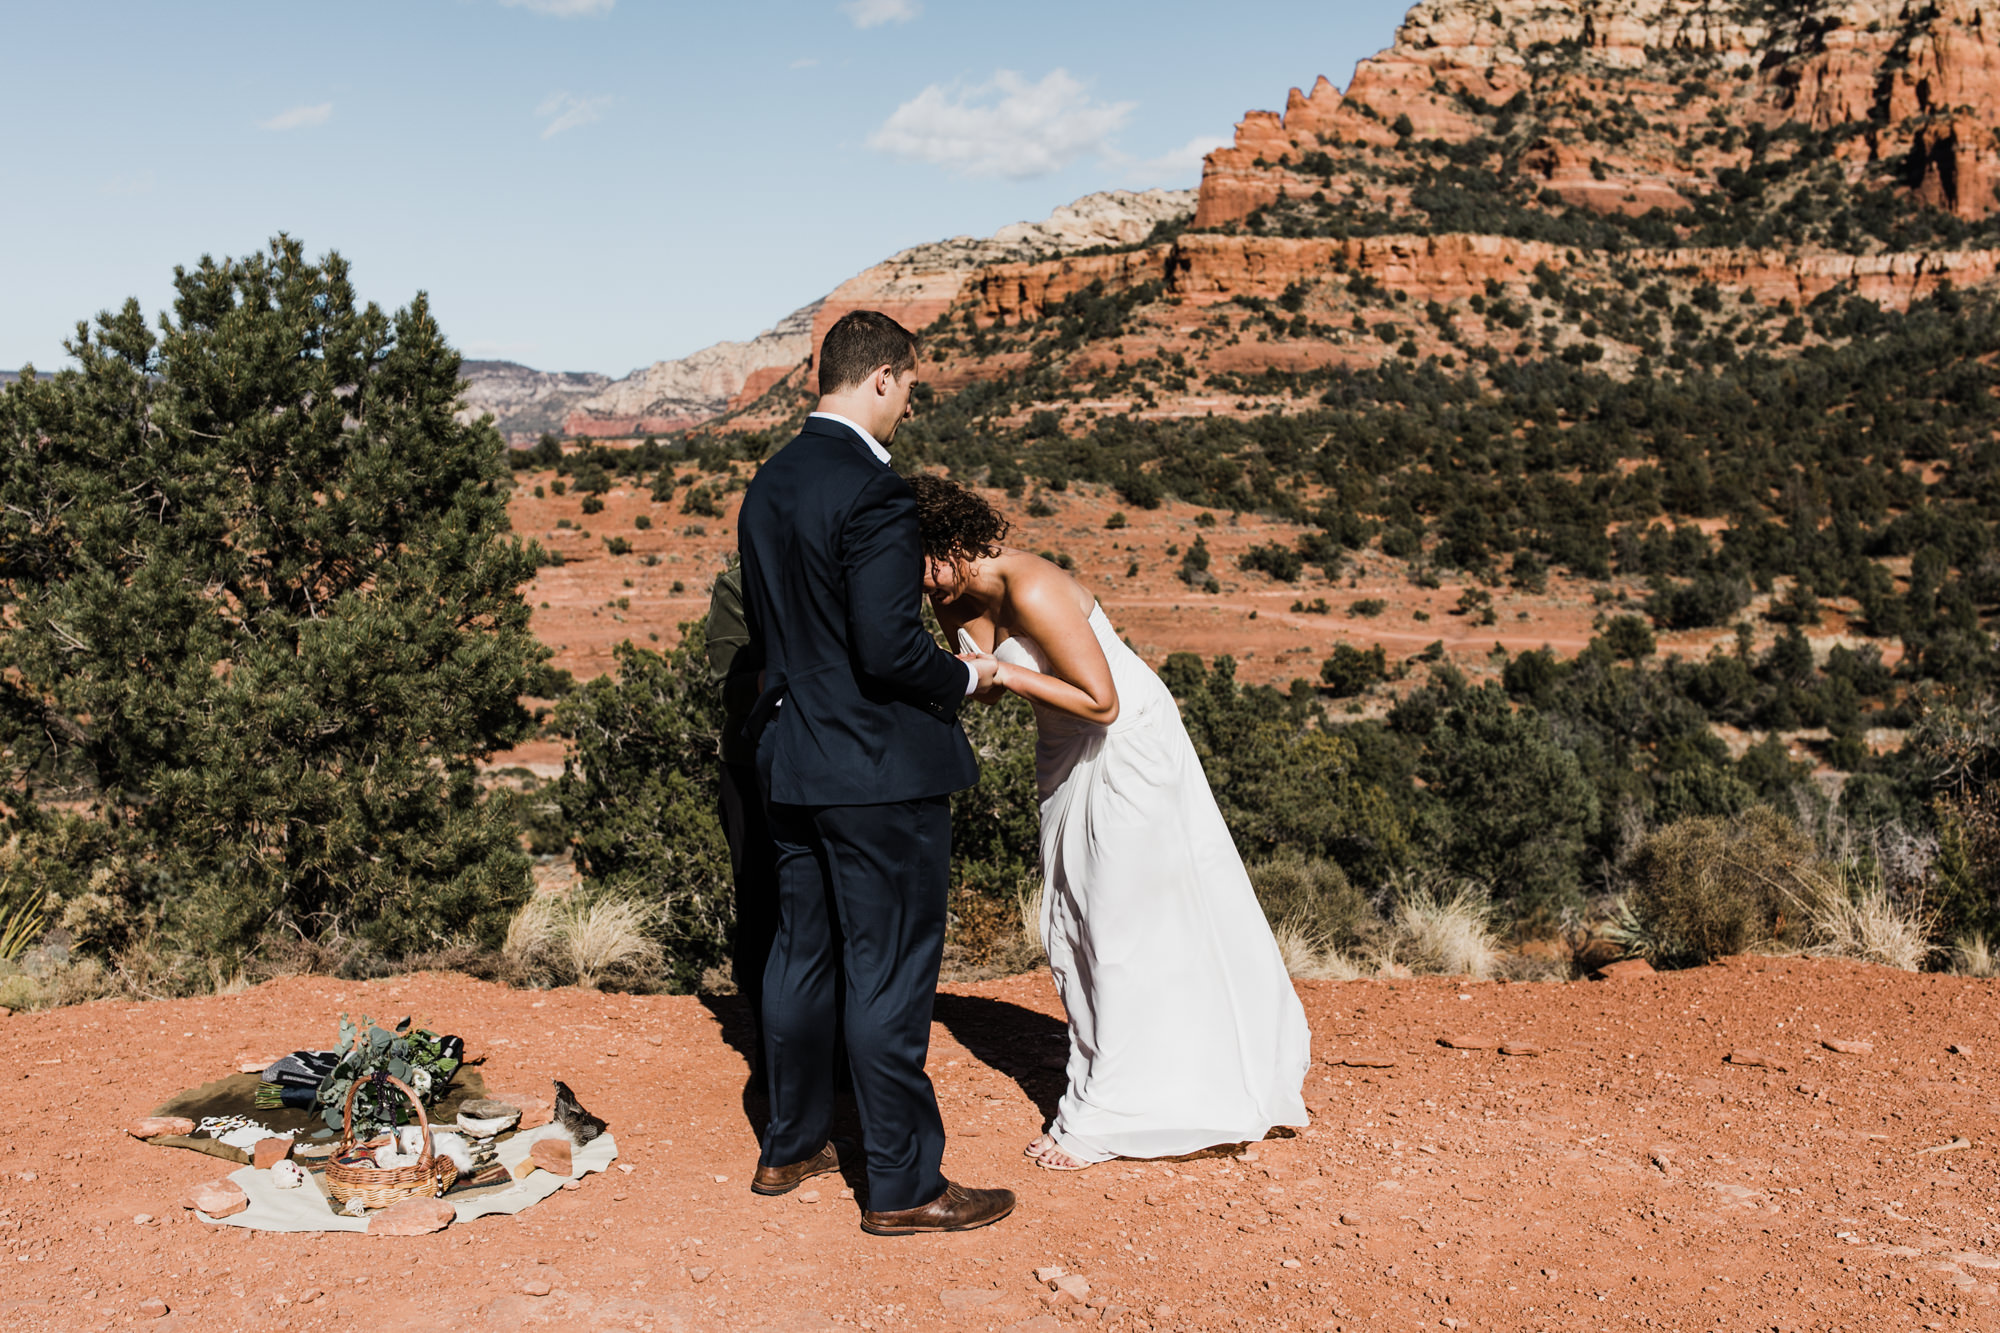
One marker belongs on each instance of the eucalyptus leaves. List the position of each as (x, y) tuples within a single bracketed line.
[(422, 1059)]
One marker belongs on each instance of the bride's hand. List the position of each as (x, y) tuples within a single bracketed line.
[(987, 668)]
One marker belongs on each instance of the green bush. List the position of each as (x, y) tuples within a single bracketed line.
[(1312, 894), (1707, 887), (638, 797), (1351, 671), (264, 621)]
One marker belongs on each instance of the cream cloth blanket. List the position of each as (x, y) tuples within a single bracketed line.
[(308, 1208)]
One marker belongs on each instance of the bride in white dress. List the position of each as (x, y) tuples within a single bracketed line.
[(1185, 1032)]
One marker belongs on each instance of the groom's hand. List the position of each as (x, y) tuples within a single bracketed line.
[(987, 668)]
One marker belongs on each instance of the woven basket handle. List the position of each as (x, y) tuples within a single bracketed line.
[(423, 1121)]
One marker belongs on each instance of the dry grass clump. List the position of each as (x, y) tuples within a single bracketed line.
[(1442, 926), (1310, 958), (1973, 957), (584, 941), (1860, 919), (1705, 887)]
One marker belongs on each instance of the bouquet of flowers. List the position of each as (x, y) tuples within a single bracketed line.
[(422, 1059)]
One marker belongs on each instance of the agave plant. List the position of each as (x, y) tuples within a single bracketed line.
[(20, 925)]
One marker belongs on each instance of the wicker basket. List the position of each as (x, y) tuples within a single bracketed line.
[(378, 1187)]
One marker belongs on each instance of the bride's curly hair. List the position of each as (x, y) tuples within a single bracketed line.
[(955, 522)]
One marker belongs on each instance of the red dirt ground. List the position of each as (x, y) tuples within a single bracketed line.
[(1624, 1178), (1250, 618)]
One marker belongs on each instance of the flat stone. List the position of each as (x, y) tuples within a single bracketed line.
[(966, 1298), (1367, 1061), (269, 1152), (1050, 1273), (1462, 1042), (140, 1219), (808, 1196), (1848, 1047), (1073, 1285), (700, 1274), (1959, 1048), (412, 1217), (1754, 1060), (217, 1198), (552, 1155), (536, 1286), (152, 1126), (153, 1308), (1624, 970), (1352, 1219), (1519, 1048)]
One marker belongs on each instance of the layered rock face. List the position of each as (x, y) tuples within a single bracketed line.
[(915, 286), (921, 283), (674, 395), (1913, 91), (523, 402)]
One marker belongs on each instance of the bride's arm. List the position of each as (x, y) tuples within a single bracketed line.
[(1079, 679)]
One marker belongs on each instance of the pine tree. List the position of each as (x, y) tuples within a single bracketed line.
[(259, 616)]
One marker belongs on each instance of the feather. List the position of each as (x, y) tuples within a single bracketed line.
[(579, 1124)]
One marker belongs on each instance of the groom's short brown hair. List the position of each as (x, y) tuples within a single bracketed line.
[(858, 343)]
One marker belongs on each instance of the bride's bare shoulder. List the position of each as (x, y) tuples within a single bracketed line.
[(1034, 581)]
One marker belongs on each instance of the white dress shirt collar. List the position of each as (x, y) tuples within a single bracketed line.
[(874, 446)]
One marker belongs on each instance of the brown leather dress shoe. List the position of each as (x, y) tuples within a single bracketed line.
[(959, 1208), (785, 1179)]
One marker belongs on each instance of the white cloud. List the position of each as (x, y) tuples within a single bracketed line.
[(874, 13), (1003, 127), (299, 117), (563, 9), (1176, 165), (566, 111)]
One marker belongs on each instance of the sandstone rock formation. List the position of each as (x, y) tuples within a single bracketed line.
[(523, 402), (673, 395), (919, 284), (915, 285), (1911, 89)]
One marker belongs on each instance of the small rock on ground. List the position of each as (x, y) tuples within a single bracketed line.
[(412, 1217), (153, 1126), (217, 1198), (1073, 1285)]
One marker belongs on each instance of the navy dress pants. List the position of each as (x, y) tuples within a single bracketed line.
[(861, 895)]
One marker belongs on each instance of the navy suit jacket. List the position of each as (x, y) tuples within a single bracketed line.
[(860, 705)]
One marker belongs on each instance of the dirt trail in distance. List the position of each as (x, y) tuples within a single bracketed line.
[(1625, 1177)]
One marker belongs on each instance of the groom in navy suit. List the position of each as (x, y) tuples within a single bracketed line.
[(858, 751)]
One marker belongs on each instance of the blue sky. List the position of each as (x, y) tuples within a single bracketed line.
[(597, 184)]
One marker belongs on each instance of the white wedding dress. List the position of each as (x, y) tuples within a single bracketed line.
[(1185, 1031)]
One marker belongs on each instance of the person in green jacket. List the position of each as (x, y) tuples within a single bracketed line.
[(734, 665)]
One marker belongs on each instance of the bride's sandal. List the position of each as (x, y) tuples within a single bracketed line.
[(1055, 1159), (1040, 1144)]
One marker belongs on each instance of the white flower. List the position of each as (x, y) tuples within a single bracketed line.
[(420, 1079)]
